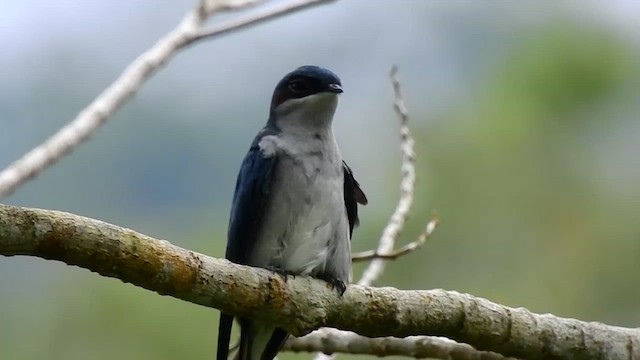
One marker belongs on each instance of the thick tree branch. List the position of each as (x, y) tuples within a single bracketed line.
[(190, 30), (303, 304)]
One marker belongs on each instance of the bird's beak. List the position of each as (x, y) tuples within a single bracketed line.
[(335, 88)]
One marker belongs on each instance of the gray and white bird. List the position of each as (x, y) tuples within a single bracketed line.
[(295, 203)]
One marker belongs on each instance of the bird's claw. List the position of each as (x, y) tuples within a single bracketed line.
[(284, 274), (334, 282)]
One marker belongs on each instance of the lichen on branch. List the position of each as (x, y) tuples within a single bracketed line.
[(302, 304)]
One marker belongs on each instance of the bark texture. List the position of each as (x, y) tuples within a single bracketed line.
[(302, 304)]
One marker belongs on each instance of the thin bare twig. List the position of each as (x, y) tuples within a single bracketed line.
[(404, 250), (400, 214), (210, 7), (110, 100), (255, 19)]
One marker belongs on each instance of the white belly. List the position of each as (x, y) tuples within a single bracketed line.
[(305, 229), (317, 225)]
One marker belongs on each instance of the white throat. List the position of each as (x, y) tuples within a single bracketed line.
[(312, 113)]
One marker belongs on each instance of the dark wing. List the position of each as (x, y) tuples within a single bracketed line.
[(224, 336), (248, 207), (353, 196), (249, 203)]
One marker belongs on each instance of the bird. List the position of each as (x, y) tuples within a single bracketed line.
[(295, 204)]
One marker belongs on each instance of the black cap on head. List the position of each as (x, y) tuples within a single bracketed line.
[(304, 81)]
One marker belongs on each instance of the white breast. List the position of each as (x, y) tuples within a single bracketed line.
[(306, 219)]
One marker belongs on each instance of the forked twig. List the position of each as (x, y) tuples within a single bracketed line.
[(85, 124), (404, 250), (255, 19)]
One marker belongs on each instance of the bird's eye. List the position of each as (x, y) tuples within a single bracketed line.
[(298, 86)]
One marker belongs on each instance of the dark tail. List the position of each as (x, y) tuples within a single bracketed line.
[(224, 336), (252, 341)]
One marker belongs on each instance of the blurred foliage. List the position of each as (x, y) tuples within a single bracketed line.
[(524, 172), (513, 181)]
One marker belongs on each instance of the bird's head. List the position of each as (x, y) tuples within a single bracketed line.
[(309, 94)]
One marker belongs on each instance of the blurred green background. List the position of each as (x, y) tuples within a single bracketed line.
[(527, 135)]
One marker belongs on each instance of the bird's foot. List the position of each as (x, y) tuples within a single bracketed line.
[(284, 274), (334, 282)]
